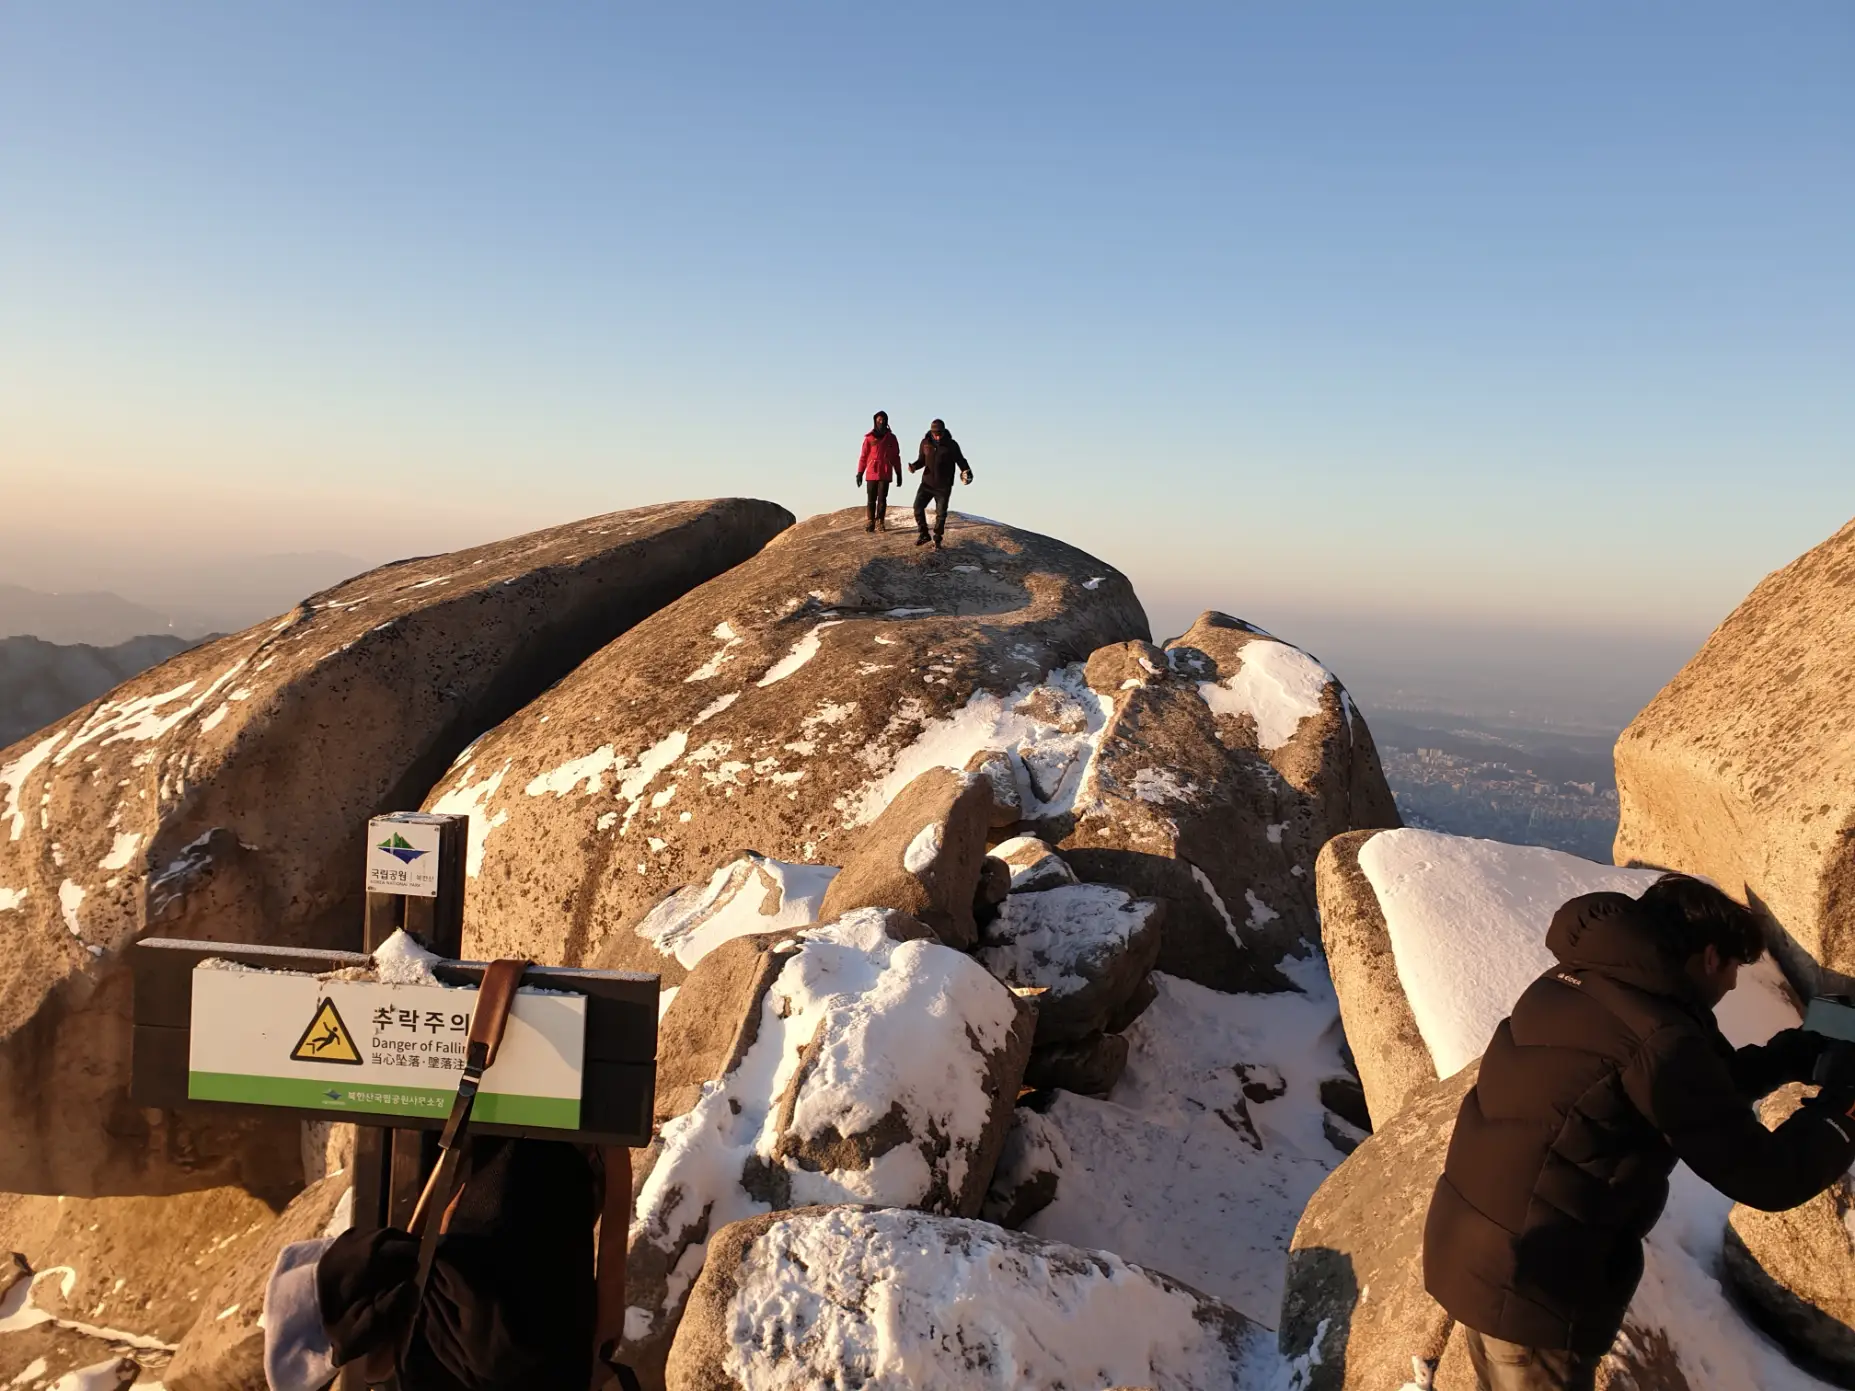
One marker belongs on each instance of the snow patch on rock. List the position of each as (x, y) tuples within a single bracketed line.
[(1054, 939), (400, 960), (1277, 685), (802, 652), (925, 848), (749, 895), (122, 850), (13, 777), (467, 798), (10, 899), (712, 667), (70, 899)]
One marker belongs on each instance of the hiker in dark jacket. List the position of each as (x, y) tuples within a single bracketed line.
[(1610, 1069), (879, 465), (938, 459)]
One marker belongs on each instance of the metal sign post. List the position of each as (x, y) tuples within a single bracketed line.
[(316, 1033)]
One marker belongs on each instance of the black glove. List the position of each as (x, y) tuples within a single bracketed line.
[(364, 1285), (1834, 1066), (1795, 1052)]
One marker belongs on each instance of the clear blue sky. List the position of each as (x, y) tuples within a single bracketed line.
[(1532, 311)]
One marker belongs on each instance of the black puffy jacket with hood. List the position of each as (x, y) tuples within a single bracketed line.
[(1609, 1069)]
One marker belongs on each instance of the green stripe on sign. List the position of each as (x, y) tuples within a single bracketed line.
[(492, 1108)]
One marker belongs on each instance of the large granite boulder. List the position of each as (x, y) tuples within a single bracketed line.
[(224, 795), (1743, 768), (782, 706), (1226, 763), (1797, 1268), (224, 1350), (870, 1064), (116, 1279), (892, 1300), (922, 856), (1453, 924), (1085, 948)]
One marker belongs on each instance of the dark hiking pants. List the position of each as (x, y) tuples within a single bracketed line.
[(1509, 1367), (878, 491), (941, 497)]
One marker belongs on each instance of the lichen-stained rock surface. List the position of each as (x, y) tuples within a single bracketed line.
[(1227, 762), (782, 707), (1743, 768), (116, 1277), (922, 856), (1798, 1267), (224, 794), (224, 1350), (1085, 947), (887, 1300), (874, 1065)]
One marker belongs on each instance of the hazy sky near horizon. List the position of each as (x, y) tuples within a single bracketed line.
[(1531, 312)]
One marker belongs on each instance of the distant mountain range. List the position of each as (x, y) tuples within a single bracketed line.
[(222, 596), (43, 681)]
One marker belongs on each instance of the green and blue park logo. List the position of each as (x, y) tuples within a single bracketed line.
[(400, 848)]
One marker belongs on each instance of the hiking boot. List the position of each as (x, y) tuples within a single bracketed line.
[(937, 543), (923, 539), (870, 525)]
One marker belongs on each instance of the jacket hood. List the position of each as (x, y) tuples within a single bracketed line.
[(1616, 936)]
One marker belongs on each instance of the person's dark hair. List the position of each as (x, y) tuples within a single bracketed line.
[(1695, 915), (937, 425), (880, 415)]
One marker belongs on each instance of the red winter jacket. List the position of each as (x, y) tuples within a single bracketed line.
[(881, 459)]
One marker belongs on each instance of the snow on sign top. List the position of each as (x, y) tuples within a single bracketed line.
[(402, 854)]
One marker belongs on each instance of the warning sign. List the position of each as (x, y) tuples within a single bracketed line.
[(248, 1042), (327, 1039)]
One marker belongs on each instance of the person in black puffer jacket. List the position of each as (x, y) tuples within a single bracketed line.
[(1610, 1069), (938, 459)]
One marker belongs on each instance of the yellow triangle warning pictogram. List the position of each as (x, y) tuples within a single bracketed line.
[(327, 1039)]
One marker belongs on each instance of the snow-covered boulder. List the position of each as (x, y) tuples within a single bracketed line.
[(1743, 768), (1430, 938), (869, 1069), (899, 1301), (225, 794), (922, 856), (116, 1277), (1084, 948), (782, 706), (1464, 933), (1199, 1162), (1034, 864), (1226, 763), (1798, 1267), (224, 1350)]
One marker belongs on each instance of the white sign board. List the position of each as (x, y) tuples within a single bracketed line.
[(402, 854), (272, 1038)]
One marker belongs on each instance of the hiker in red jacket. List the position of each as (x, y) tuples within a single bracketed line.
[(879, 465)]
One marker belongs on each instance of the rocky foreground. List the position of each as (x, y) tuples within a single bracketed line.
[(1044, 1006)]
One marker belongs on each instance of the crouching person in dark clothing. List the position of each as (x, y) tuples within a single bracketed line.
[(938, 460), (1610, 1069)]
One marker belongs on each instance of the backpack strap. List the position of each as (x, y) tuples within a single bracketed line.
[(494, 997)]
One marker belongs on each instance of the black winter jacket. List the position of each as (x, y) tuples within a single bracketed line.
[(941, 459), (1609, 1069)]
